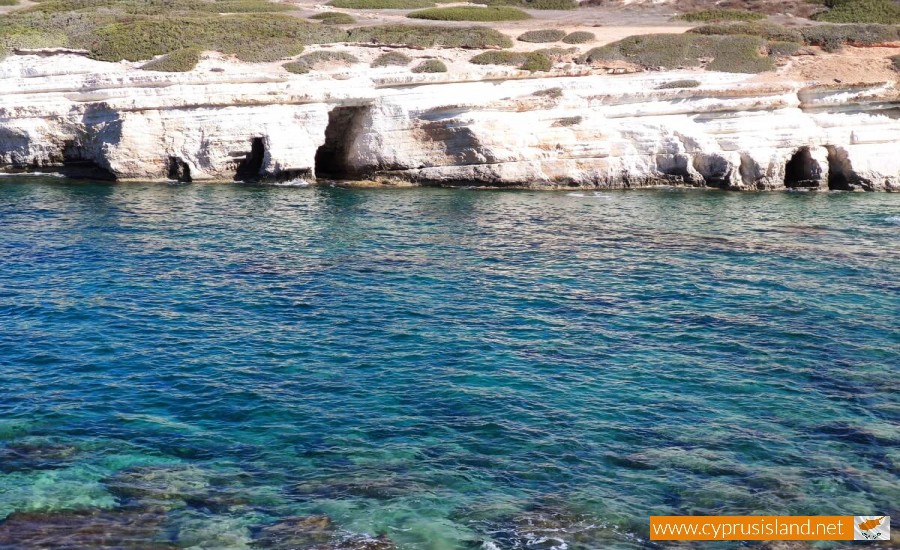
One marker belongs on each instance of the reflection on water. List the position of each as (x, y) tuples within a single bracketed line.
[(236, 366)]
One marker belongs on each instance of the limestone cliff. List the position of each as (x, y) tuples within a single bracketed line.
[(67, 112)]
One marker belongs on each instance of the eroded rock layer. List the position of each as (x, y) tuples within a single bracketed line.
[(68, 113)]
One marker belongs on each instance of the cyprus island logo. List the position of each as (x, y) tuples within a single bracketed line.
[(871, 528)]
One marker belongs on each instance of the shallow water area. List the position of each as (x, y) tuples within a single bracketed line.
[(237, 366)]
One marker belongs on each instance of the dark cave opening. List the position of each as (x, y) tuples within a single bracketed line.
[(250, 168), (332, 156), (76, 163), (178, 170), (802, 170), (841, 176)]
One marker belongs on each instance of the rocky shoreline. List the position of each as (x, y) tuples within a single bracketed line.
[(500, 127)]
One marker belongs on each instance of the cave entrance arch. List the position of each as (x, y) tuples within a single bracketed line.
[(250, 168), (332, 158), (802, 170)]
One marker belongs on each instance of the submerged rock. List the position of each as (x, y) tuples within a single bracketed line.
[(164, 486), (35, 456), (317, 532), (296, 532), (125, 528), (379, 488)]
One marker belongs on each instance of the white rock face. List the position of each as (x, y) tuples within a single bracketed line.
[(558, 131)]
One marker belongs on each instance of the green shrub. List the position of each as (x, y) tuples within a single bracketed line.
[(567, 121), (578, 37), (737, 54), (705, 16), (536, 61), (392, 58), (558, 54), (676, 84), (861, 11), (468, 13), (553, 93), (430, 66), (250, 38), (382, 4), (769, 31), (783, 49), (334, 18), (499, 58), (895, 62), (543, 35), (832, 37), (533, 4), (312, 60), (180, 61), (8, 2), (426, 36)]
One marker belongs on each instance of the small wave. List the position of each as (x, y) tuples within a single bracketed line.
[(297, 182), (594, 195), (32, 174), (893, 219)]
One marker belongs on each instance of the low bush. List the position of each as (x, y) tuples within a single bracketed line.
[(558, 54), (382, 4), (535, 62), (250, 38), (469, 13), (499, 58), (578, 37), (676, 84), (832, 37), (861, 11), (768, 31), (737, 54), (392, 58), (543, 35), (426, 36), (782, 49), (334, 18), (533, 4), (706, 16), (554, 93), (895, 62), (180, 61), (8, 2), (312, 60), (567, 121), (430, 66), (828, 37)]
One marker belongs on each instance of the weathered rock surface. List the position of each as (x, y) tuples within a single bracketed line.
[(734, 131)]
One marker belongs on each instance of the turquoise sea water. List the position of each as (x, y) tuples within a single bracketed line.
[(209, 365)]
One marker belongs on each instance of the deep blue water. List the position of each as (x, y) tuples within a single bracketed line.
[(449, 368)]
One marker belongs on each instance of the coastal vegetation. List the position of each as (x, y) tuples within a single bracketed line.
[(382, 4), (334, 18), (533, 4), (8, 2), (828, 37), (536, 61), (426, 36), (310, 61), (470, 13), (676, 84), (430, 66), (895, 62), (578, 37), (180, 61), (861, 11), (704, 16), (392, 58), (542, 35), (499, 58), (737, 54)]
